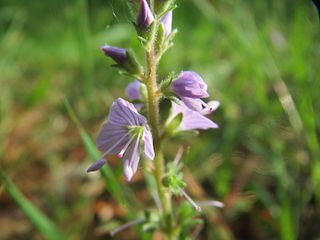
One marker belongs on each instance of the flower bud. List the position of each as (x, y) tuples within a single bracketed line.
[(145, 16), (167, 23), (119, 55), (190, 84), (133, 90), (125, 59)]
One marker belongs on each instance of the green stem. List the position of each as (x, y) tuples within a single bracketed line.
[(154, 121)]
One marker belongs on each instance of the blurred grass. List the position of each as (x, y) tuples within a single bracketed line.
[(260, 60), (44, 225)]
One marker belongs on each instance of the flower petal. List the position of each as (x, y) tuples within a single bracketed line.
[(194, 120), (131, 160), (133, 90), (148, 143), (124, 113), (127, 170), (191, 119), (193, 103), (210, 107), (112, 138), (97, 165), (167, 23), (190, 84)]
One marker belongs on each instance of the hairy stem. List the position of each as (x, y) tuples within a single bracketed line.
[(154, 121)]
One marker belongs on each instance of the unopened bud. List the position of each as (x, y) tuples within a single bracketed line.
[(119, 55), (167, 23), (145, 16), (190, 84), (124, 59)]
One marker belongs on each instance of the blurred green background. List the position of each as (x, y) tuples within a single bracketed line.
[(260, 59)]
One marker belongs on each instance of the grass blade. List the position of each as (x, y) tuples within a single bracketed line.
[(36, 216)]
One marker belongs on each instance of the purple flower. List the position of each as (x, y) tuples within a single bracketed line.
[(124, 134), (145, 16), (190, 119), (119, 55), (133, 90), (167, 23), (190, 84), (200, 106)]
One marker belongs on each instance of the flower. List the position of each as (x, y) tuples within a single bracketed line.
[(133, 90), (119, 55), (190, 84), (145, 16), (191, 119), (123, 134), (167, 23)]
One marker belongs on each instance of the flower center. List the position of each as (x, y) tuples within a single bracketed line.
[(136, 133)]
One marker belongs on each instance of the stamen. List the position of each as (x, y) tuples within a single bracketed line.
[(212, 203), (156, 199), (135, 149), (125, 226), (120, 154), (189, 199), (178, 156)]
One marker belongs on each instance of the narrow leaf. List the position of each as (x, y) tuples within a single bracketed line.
[(45, 226)]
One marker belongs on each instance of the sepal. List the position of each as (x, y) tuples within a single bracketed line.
[(163, 6), (174, 180)]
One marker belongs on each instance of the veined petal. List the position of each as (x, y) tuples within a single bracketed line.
[(135, 155), (193, 103), (131, 160), (124, 113), (127, 170), (194, 120), (112, 138), (148, 143), (191, 119)]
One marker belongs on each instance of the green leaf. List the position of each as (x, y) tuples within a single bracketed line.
[(45, 226)]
